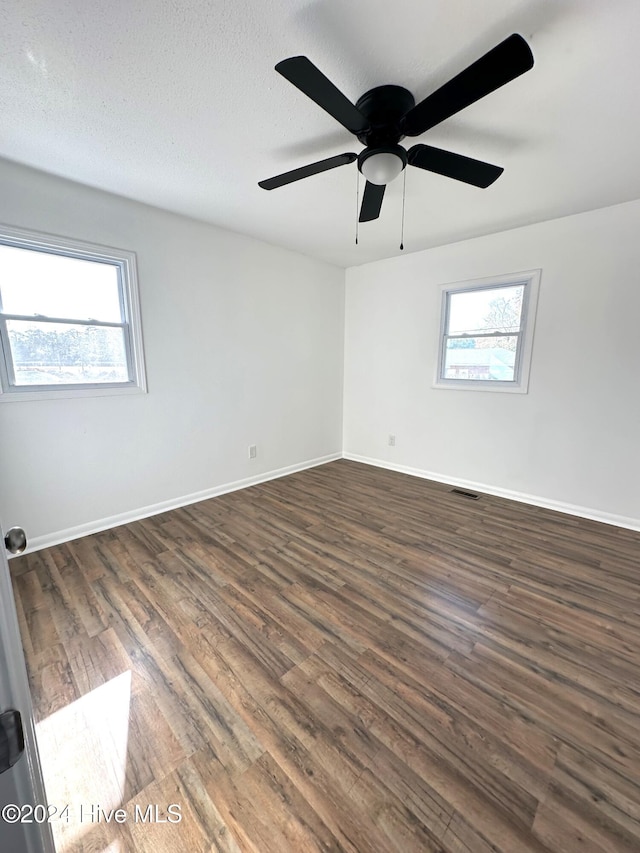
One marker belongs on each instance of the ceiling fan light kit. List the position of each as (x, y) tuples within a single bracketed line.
[(382, 165), (385, 115)]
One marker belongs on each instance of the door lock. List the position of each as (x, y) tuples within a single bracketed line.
[(11, 739)]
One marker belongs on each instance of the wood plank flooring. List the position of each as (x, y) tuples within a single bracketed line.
[(346, 659)]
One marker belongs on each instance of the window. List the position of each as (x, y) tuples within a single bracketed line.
[(69, 319), (487, 333)]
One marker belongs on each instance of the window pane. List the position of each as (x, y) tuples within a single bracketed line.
[(66, 354), (58, 286), (496, 309), (481, 358)]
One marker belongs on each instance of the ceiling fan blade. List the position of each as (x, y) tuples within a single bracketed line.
[(451, 165), (503, 63), (305, 76), (371, 201), (307, 171)]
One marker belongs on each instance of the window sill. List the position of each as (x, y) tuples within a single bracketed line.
[(480, 385), (69, 393)]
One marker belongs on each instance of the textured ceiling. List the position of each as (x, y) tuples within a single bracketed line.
[(177, 104)]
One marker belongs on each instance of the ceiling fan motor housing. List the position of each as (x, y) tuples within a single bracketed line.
[(384, 107)]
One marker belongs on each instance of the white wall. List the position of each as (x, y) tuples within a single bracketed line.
[(243, 345), (572, 441)]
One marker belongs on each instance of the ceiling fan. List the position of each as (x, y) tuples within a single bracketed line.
[(385, 115)]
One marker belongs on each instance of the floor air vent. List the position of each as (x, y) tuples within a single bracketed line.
[(463, 493)]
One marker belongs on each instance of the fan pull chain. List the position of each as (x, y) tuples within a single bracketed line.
[(357, 201), (404, 193)]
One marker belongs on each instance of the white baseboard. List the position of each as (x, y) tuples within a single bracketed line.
[(56, 538), (521, 497)]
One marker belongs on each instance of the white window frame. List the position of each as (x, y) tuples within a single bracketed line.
[(125, 261), (520, 383)]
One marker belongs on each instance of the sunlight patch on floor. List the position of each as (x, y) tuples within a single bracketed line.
[(83, 749)]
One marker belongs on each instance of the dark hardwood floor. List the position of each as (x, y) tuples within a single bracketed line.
[(346, 659)]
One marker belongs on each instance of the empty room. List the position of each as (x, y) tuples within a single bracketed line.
[(319, 420)]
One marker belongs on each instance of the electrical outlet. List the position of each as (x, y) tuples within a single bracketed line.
[(392, 441), (253, 451)]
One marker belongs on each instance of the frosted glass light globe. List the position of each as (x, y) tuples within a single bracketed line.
[(382, 168)]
